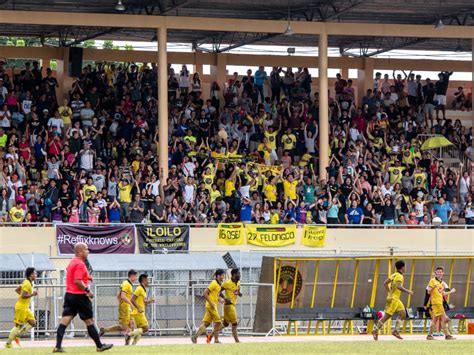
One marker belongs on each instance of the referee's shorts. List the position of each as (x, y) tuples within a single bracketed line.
[(75, 304)]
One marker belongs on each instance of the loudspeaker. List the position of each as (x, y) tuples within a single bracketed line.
[(75, 61)]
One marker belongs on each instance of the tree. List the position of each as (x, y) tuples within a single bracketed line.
[(128, 47), (108, 44), (90, 43)]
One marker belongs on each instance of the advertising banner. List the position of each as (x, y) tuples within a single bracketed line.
[(162, 237), (277, 235), (107, 239)]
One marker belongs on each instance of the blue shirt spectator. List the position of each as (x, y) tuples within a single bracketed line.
[(443, 210), (354, 214), (246, 212), (260, 76)]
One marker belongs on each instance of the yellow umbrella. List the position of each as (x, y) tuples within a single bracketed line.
[(435, 142)]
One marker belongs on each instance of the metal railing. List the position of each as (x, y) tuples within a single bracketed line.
[(215, 225)]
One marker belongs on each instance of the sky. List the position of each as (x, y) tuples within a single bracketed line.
[(310, 51)]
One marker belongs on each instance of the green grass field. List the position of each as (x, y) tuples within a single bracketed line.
[(286, 348)]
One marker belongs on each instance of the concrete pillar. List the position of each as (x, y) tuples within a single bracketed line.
[(197, 65), (365, 78), (62, 65), (323, 105), (162, 103), (219, 74), (344, 73), (45, 64)]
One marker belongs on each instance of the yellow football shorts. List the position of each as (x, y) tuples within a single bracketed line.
[(124, 313), (140, 320), (230, 314), (437, 310), (23, 315), (393, 306), (211, 316)]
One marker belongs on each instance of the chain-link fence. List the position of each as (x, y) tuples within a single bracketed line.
[(247, 308), (178, 308), (168, 315)]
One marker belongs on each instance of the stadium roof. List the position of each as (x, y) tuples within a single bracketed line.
[(164, 262), (20, 261), (420, 12)]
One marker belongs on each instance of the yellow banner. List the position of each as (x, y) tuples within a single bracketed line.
[(230, 234), (262, 168), (314, 236), (276, 235)]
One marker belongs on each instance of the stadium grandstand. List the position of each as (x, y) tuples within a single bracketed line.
[(356, 143)]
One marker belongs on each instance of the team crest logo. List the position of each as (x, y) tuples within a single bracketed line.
[(287, 283), (126, 239)]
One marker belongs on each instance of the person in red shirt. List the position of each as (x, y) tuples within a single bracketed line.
[(77, 299), (55, 144), (412, 221)]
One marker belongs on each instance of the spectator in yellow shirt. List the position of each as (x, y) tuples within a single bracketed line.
[(289, 187), (271, 137), (17, 214), (66, 114), (125, 197), (288, 140)]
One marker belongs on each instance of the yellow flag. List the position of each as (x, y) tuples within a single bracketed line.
[(314, 236), (230, 234), (273, 235)]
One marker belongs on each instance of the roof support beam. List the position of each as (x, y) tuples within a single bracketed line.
[(256, 38), (91, 36), (233, 25), (239, 59), (383, 44)]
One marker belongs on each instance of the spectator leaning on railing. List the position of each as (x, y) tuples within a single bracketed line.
[(94, 158)]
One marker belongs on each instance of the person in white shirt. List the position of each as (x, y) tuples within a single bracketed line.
[(464, 184), (184, 80), (386, 189), (56, 123), (189, 191), (76, 128), (3, 90), (245, 189), (155, 186), (5, 117), (99, 180), (26, 105), (87, 158), (188, 167), (87, 113)]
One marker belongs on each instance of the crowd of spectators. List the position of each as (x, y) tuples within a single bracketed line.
[(251, 156)]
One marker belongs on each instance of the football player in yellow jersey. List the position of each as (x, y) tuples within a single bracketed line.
[(24, 317), (140, 301), (212, 296), (394, 287), (436, 290), (231, 290), (125, 307)]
